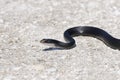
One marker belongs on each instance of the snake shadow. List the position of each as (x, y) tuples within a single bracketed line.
[(58, 48)]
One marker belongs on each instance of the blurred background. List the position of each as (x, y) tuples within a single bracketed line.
[(23, 23)]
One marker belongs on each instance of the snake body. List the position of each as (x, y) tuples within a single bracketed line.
[(84, 31)]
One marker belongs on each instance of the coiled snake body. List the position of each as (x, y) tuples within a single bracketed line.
[(84, 31)]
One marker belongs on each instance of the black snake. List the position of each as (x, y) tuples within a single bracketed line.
[(84, 31)]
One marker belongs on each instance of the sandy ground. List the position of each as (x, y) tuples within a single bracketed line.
[(23, 23)]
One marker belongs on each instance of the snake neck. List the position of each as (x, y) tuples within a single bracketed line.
[(68, 36)]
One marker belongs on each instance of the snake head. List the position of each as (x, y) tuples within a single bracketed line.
[(46, 41), (49, 42)]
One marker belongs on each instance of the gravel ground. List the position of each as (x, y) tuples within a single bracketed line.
[(23, 23)]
